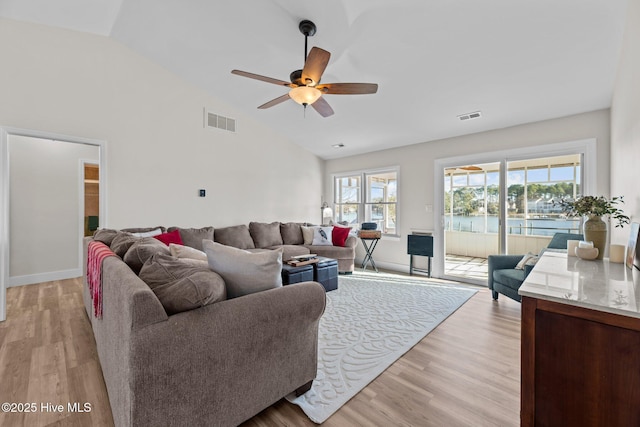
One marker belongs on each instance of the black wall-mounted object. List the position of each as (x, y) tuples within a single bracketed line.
[(422, 245), (202, 193)]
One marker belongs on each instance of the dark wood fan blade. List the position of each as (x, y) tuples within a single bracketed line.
[(273, 102), (317, 61), (262, 78), (348, 88), (323, 107)]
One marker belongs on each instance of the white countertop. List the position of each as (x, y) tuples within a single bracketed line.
[(598, 285)]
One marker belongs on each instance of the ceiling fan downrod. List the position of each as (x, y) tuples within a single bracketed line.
[(308, 29)]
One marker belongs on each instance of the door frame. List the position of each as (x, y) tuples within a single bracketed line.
[(5, 250), (586, 147)]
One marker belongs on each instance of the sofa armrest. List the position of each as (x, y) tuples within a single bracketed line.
[(227, 361), (351, 242), (500, 262)]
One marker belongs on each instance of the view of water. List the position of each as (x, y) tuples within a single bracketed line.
[(534, 226)]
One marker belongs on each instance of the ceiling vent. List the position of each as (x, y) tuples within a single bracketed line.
[(212, 120), (469, 116)]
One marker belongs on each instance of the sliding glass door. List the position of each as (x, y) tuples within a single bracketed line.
[(505, 206)]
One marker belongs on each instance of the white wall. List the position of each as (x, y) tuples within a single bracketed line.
[(416, 187), (45, 205), (158, 154), (625, 124)]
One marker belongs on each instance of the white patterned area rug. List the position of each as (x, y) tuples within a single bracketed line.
[(368, 324)]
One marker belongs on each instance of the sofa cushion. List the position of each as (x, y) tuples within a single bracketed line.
[(510, 278), (186, 252), (528, 259), (193, 236), (141, 250), (122, 242), (105, 235), (289, 251), (339, 235), (307, 234), (322, 236), (169, 237), (244, 272), (291, 233), (182, 285), (265, 235), (237, 236)]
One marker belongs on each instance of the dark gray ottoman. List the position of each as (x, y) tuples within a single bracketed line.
[(291, 274), (325, 271)]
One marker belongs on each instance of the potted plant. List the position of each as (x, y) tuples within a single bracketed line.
[(595, 229)]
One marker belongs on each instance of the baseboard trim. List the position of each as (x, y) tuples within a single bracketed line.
[(30, 279)]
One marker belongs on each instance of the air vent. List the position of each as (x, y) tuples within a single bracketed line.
[(212, 120), (469, 116)]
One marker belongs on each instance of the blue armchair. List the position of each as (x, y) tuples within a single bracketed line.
[(505, 279)]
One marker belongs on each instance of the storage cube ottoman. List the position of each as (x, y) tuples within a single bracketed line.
[(291, 274), (325, 271)]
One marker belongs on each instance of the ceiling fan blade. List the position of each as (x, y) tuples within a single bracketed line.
[(273, 102), (322, 107), (262, 78), (315, 65), (348, 88)]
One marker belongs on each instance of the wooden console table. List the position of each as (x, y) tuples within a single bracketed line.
[(580, 344)]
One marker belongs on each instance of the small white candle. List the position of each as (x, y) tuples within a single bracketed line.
[(585, 245), (616, 253), (571, 247)]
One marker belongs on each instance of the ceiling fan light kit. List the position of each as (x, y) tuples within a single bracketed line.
[(305, 95), (305, 84)]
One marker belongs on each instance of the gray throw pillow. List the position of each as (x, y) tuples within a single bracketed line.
[(244, 272), (193, 237), (122, 242), (237, 236), (143, 249), (182, 285), (291, 233), (265, 235), (105, 235)]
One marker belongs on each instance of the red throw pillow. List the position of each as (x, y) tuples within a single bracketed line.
[(171, 237), (339, 235)]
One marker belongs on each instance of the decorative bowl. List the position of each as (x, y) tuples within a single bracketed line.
[(587, 253)]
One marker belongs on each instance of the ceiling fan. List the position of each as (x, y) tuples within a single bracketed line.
[(305, 85)]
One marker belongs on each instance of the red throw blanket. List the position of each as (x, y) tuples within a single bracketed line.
[(97, 252)]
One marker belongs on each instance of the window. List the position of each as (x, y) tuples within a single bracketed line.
[(379, 204)]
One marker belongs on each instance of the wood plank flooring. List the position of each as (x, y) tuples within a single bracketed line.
[(465, 373)]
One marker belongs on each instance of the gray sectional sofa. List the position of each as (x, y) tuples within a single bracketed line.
[(216, 363)]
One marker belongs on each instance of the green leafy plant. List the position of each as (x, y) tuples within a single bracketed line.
[(591, 205)]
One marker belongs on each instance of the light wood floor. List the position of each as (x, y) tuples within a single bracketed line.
[(464, 373)]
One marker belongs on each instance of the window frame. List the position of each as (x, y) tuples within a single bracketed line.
[(364, 206)]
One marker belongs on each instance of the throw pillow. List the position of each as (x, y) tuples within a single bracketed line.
[(122, 242), (339, 235), (141, 250), (186, 252), (145, 231), (105, 235), (193, 236), (322, 236), (291, 233), (265, 235), (182, 285), (307, 235), (244, 272), (528, 259), (171, 237), (237, 236)]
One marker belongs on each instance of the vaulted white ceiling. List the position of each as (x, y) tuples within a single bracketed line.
[(516, 61)]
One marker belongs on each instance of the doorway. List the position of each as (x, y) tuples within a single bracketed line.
[(41, 229), (503, 203)]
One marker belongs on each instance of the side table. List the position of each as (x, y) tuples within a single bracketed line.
[(372, 237)]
